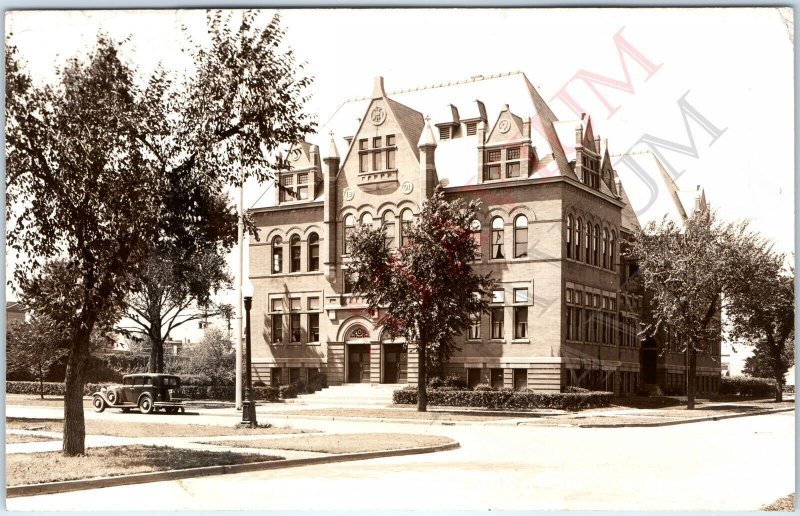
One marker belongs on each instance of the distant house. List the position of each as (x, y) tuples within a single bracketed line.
[(14, 312)]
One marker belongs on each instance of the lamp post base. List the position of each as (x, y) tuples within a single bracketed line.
[(248, 414)]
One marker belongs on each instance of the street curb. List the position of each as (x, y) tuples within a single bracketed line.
[(158, 476), (686, 421)]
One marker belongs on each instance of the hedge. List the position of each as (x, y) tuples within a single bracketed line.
[(205, 392), (506, 399), (746, 386)]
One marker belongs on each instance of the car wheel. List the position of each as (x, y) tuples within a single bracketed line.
[(112, 397), (99, 404), (146, 404)]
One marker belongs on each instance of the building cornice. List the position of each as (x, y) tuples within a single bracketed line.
[(287, 207)]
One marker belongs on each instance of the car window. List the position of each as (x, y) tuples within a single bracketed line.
[(139, 380), (127, 381), (170, 382)]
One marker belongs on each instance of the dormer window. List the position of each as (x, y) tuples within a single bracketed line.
[(444, 133), (294, 186), (492, 168), (591, 174), (472, 128)]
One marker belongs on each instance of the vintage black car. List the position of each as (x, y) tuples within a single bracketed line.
[(148, 392)]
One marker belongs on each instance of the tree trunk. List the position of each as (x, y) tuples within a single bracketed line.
[(156, 362), (691, 376), (74, 429), (779, 388), (422, 388)]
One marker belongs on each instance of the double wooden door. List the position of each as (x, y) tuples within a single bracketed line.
[(358, 365)]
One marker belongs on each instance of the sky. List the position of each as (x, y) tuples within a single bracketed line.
[(730, 69)]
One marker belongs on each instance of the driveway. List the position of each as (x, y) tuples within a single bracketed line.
[(735, 464)]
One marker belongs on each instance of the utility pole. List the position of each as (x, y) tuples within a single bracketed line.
[(239, 281)]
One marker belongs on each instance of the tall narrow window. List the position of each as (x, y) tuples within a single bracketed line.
[(363, 156), (294, 321), (302, 186), (520, 322), (498, 252), (294, 251), (377, 163), (313, 327), (605, 248), (348, 280), (578, 236), (521, 237), (492, 169), (313, 252), (569, 236), (390, 151), (406, 220), (475, 326), (388, 227), (475, 228), (497, 323), (596, 246), (277, 328), (349, 227), (611, 252), (277, 255), (287, 191), (587, 237)]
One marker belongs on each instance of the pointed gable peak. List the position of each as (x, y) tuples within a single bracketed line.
[(377, 88)]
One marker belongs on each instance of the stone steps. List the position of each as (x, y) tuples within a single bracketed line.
[(349, 394)]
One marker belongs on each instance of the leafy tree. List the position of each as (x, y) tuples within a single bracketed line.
[(427, 288), (762, 310), (107, 174), (33, 347), (167, 295), (213, 357), (687, 270)]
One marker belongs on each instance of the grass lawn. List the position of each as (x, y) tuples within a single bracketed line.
[(137, 429), (38, 468), (401, 412), (35, 401), (18, 438), (785, 504), (342, 443)]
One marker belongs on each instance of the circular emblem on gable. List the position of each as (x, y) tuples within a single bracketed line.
[(349, 193), (504, 126), (407, 187), (378, 115), (295, 155)]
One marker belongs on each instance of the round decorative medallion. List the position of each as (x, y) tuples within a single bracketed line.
[(475, 225), (407, 187), (359, 333), (504, 126), (295, 155), (378, 115), (349, 193)]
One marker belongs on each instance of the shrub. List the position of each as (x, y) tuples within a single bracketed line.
[(482, 387), (506, 399), (573, 389), (288, 391), (435, 382), (268, 393), (746, 386), (456, 381), (317, 381)]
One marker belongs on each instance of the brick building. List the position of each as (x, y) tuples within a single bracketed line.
[(553, 215)]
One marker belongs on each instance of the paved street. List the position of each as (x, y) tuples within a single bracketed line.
[(734, 464)]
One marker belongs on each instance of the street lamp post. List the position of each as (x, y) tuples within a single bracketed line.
[(248, 406)]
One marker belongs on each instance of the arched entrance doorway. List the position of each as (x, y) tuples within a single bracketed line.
[(358, 356)]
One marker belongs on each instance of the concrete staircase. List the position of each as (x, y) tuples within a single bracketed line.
[(349, 395), (652, 389)]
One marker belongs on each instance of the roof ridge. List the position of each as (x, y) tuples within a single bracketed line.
[(472, 79)]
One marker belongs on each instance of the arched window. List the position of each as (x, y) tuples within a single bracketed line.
[(349, 227), (498, 253), (587, 243), (406, 219), (388, 226), (596, 246), (611, 252), (569, 236), (521, 237), (277, 255), (475, 228), (578, 236), (313, 252), (294, 253), (366, 220), (605, 248)]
